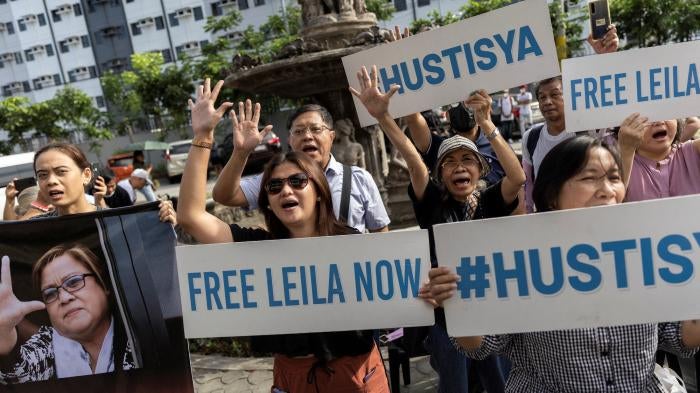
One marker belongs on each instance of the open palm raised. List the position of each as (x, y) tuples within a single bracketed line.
[(376, 102), (12, 310), (246, 135)]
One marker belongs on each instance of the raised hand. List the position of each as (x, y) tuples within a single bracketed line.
[(204, 116), (443, 284), (608, 44), (480, 102), (245, 127), (166, 212), (632, 131), (11, 191), (376, 102), (100, 190), (12, 310), (397, 35)]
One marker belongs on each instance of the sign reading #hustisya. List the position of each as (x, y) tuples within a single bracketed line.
[(506, 47), (306, 285), (615, 265), (661, 83)]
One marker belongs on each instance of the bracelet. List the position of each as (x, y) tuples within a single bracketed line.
[(493, 134), (202, 144)]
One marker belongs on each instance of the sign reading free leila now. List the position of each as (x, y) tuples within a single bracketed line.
[(661, 83), (614, 265), (493, 51), (308, 285)]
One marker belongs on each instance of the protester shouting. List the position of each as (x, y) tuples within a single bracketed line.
[(453, 195), (580, 172), (296, 202)]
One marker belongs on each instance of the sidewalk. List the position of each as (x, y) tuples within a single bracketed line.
[(220, 374)]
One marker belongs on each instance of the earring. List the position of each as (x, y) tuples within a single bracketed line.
[(318, 199), (269, 207)]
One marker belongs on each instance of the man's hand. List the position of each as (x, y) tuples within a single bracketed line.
[(609, 42), (204, 116)]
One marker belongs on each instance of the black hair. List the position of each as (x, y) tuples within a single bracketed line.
[(325, 115), (434, 123), (546, 82), (461, 118), (563, 162)]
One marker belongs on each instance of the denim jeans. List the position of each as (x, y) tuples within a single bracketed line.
[(453, 367)]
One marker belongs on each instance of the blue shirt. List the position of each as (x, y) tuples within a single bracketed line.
[(367, 210)]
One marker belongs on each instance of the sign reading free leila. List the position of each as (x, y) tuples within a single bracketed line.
[(500, 49), (309, 285), (614, 265)]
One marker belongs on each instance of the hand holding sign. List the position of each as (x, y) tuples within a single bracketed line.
[(376, 102), (245, 127), (12, 310), (608, 44), (443, 284), (480, 103)]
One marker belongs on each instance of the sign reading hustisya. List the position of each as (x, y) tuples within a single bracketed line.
[(503, 48), (306, 285), (615, 265)]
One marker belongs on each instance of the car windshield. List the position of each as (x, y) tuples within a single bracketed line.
[(180, 149)]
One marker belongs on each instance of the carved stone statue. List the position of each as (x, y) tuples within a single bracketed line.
[(310, 10), (344, 148)]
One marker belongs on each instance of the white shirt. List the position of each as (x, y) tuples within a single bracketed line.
[(127, 186), (525, 109), (546, 142)]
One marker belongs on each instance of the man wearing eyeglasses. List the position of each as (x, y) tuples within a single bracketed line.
[(311, 131)]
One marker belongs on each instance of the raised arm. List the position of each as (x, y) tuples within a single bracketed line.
[(191, 209), (10, 196), (629, 138), (480, 103), (12, 310), (377, 104), (608, 44)]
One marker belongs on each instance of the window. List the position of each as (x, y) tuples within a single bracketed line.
[(400, 5), (198, 14), (100, 100), (259, 2), (167, 56), (173, 20), (215, 9), (18, 58), (86, 41), (77, 9), (10, 28), (160, 25), (135, 30), (242, 4), (422, 3)]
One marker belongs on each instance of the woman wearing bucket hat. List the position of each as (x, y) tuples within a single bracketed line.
[(452, 195)]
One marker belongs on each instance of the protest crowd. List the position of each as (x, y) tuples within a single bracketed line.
[(471, 174)]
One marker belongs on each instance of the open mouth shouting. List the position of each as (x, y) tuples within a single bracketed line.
[(289, 204), (310, 149), (55, 195), (659, 135), (461, 180)]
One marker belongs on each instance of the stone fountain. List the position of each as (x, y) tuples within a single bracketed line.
[(311, 69)]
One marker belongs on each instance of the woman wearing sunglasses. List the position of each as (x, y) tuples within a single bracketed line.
[(84, 337), (296, 202)]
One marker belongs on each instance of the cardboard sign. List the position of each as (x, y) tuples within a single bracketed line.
[(615, 265), (322, 284), (500, 49), (661, 83)]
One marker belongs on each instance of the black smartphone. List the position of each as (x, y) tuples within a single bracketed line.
[(22, 184), (599, 13)]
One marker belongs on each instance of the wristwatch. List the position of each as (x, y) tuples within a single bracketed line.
[(493, 134)]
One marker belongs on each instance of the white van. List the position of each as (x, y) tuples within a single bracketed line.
[(14, 166)]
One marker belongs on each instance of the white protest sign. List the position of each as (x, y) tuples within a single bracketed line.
[(661, 83), (500, 49), (604, 266), (308, 285)]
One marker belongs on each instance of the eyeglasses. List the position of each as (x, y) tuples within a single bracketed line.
[(298, 181), (71, 284), (315, 129), (465, 162)]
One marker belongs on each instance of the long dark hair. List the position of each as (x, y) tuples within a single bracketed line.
[(562, 163), (326, 223)]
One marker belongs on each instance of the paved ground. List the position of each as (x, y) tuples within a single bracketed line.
[(219, 374)]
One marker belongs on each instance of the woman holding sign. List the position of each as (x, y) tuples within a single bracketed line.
[(657, 164), (452, 196), (84, 338), (296, 202), (579, 172)]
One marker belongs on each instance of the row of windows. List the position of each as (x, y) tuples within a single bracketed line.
[(64, 10), (400, 5), (40, 19), (219, 7), (15, 88)]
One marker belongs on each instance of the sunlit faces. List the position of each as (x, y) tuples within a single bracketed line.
[(61, 181), (76, 315), (294, 206), (657, 140), (309, 134), (459, 171), (551, 99), (599, 183)]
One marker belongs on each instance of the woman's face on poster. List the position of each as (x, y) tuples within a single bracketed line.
[(78, 314)]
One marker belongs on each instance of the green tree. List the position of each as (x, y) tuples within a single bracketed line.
[(646, 23), (478, 7), (15, 117), (570, 25), (382, 9), (469, 9)]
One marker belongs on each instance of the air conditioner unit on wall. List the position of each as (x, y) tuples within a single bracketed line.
[(29, 18), (7, 57), (81, 71), (46, 78), (15, 87), (192, 45), (145, 22), (227, 3), (65, 9), (2, 27), (183, 12), (37, 49), (74, 40)]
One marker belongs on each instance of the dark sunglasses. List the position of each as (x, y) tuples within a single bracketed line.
[(71, 284), (298, 181)]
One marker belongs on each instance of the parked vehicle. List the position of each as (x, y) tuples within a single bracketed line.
[(175, 159), (269, 147), (121, 165)]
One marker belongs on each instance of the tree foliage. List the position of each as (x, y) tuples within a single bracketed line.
[(570, 25), (68, 112), (382, 9), (646, 23)]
